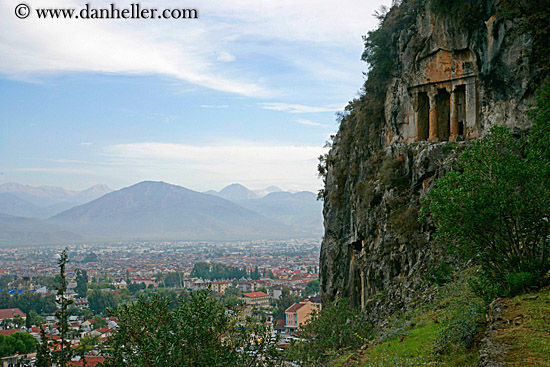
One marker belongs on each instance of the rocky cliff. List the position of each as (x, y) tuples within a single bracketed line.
[(440, 76)]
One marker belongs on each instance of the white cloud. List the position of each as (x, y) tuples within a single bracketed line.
[(52, 170), (61, 160), (226, 57), (298, 108), (36, 47), (185, 49), (310, 123), (217, 165), (322, 22), (214, 106)]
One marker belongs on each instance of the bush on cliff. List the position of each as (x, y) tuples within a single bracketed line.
[(494, 207)]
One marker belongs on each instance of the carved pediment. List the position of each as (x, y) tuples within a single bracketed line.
[(443, 65)]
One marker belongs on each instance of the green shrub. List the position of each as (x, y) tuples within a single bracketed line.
[(485, 288), (520, 282), (393, 175), (494, 208), (440, 274), (462, 327), (404, 221), (329, 334)]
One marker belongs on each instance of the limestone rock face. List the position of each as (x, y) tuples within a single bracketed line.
[(472, 78), (450, 85), (373, 243)]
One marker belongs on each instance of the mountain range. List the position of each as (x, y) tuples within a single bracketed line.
[(154, 211), (50, 195)]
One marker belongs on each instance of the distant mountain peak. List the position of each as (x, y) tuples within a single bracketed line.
[(237, 192), (158, 210), (273, 189), (267, 191), (51, 195)]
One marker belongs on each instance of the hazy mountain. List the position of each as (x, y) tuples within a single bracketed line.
[(267, 191), (27, 231), (50, 195), (91, 193), (301, 210), (13, 205), (157, 210), (37, 195), (236, 192)]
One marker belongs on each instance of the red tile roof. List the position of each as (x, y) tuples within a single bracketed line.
[(9, 332), (90, 361), (9, 313), (103, 330), (256, 294), (295, 307)]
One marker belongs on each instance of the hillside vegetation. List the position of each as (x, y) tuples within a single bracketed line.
[(426, 240)]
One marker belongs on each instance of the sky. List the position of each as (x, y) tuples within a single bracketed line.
[(248, 92)]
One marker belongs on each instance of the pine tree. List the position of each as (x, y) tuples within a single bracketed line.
[(43, 357), (62, 315)]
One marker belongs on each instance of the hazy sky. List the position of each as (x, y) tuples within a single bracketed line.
[(246, 93)]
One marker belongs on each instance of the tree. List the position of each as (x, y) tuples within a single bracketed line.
[(312, 287), (87, 343), (44, 359), (99, 322), (286, 300), (34, 318), (159, 278), (81, 283), (21, 343), (43, 356), (329, 332), (217, 271), (494, 207), (173, 280), (232, 296), (99, 301), (28, 302), (62, 315), (255, 275), (198, 333), (18, 321), (5, 281), (28, 341), (91, 257), (135, 287)]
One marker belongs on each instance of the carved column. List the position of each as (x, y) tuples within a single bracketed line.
[(433, 117), (454, 117)]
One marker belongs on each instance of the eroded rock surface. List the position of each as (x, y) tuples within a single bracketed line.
[(449, 84)]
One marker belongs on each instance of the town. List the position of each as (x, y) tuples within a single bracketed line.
[(276, 282)]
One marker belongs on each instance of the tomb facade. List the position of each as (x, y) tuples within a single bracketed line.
[(442, 98)]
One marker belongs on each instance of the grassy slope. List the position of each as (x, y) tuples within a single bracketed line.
[(527, 331), (419, 337)]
